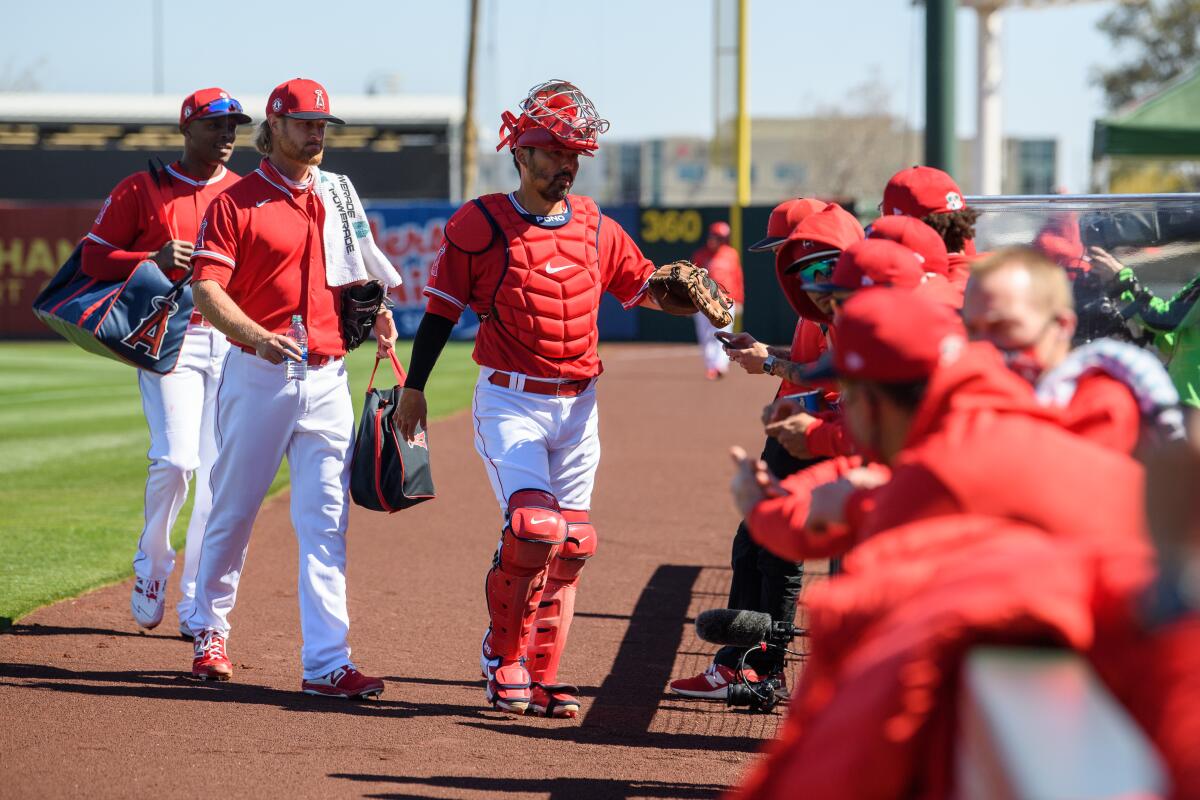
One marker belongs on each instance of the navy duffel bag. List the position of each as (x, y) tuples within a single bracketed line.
[(140, 320)]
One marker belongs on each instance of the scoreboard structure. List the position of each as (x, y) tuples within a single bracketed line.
[(58, 148)]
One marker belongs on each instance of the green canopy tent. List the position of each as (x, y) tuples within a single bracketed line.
[(1165, 125)]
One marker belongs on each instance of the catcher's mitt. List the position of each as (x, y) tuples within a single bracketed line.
[(682, 288), (360, 305)]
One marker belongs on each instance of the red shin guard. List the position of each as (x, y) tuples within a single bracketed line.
[(515, 584), (557, 606)]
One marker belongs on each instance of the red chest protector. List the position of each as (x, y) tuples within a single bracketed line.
[(548, 298)]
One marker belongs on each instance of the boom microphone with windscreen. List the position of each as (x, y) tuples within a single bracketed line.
[(740, 628)]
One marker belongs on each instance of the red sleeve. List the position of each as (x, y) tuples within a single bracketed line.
[(828, 437), (778, 524), (913, 493), (1104, 411), (449, 284), (217, 243), (623, 267), (117, 226)]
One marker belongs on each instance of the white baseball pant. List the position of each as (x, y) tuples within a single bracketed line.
[(261, 418), (180, 409), (711, 348), (534, 441)]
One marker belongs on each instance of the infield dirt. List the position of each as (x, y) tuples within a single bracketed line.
[(91, 706)]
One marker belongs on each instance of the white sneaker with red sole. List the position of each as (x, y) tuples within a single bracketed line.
[(345, 682), (712, 684), (146, 601)]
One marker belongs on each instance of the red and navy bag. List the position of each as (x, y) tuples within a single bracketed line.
[(388, 473), (139, 321)]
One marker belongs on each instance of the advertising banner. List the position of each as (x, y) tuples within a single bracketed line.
[(34, 243)]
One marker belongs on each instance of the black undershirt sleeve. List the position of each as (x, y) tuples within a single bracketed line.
[(431, 338)]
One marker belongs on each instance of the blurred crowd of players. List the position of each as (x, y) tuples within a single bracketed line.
[(991, 467)]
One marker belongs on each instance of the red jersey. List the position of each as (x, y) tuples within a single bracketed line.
[(535, 283), (140, 216), (725, 266), (261, 242)]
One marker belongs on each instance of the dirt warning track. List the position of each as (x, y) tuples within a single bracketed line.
[(90, 705)]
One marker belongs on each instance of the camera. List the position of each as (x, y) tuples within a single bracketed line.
[(759, 696)]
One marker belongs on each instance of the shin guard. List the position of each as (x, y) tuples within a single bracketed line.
[(557, 606), (515, 584)]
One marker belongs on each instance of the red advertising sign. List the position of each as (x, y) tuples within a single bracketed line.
[(34, 242)]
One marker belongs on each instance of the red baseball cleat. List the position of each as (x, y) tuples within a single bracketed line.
[(712, 684), (553, 700), (346, 682), (507, 681), (210, 661)]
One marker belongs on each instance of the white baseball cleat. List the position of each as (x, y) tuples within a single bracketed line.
[(146, 601)]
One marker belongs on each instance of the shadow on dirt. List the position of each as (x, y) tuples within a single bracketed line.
[(169, 685), (554, 788)]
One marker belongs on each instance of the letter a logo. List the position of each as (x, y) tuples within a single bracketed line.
[(320, 98), (150, 332)]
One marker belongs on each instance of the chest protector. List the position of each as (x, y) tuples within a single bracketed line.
[(548, 298)]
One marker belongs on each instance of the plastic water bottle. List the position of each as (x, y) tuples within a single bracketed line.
[(298, 370)]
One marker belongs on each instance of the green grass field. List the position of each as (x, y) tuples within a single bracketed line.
[(73, 464)]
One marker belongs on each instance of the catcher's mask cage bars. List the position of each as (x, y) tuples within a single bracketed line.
[(562, 109)]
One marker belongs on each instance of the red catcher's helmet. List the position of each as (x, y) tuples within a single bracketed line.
[(554, 114)]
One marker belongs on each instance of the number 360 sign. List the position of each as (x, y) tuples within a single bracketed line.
[(671, 225)]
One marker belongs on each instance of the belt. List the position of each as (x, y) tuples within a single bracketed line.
[(198, 319), (314, 359), (535, 386)]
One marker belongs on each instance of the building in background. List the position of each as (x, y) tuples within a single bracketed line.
[(64, 148)]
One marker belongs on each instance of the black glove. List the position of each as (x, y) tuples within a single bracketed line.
[(360, 306)]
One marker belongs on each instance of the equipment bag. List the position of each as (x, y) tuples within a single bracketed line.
[(388, 473), (139, 321)]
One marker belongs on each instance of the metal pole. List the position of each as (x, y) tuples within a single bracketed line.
[(156, 22), (742, 198), (469, 146), (989, 142), (940, 141)]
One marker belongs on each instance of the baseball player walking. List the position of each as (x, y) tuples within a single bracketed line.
[(155, 215), (533, 264), (260, 258)]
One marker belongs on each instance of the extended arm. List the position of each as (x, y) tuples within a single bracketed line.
[(412, 409)]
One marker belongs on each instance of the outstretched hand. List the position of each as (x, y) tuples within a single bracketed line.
[(752, 482)]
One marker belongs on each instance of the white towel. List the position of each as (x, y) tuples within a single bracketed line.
[(351, 255)]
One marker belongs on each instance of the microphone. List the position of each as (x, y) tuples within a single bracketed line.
[(733, 627)]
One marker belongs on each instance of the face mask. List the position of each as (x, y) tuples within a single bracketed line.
[(1025, 362)]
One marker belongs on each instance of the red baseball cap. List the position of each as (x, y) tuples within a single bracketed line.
[(892, 336), (921, 191), (784, 219), (720, 229), (873, 262), (301, 98), (916, 236), (824, 234), (214, 102)]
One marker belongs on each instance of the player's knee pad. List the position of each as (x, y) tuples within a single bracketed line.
[(534, 531), (573, 554)]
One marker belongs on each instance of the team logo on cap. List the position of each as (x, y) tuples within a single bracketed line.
[(187, 111), (320, 98), (277, 106), (954, 201)]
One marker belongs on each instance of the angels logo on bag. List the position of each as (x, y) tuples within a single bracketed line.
[(150, 332), (418, 440)]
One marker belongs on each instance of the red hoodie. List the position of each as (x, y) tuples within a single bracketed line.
[(979, 443), (874, 713)]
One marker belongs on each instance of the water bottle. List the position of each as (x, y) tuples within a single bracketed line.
[(298, 370)]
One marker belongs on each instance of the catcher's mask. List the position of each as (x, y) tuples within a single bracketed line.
[(554, 114)]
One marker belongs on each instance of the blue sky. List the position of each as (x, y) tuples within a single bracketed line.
[(645, 63)]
